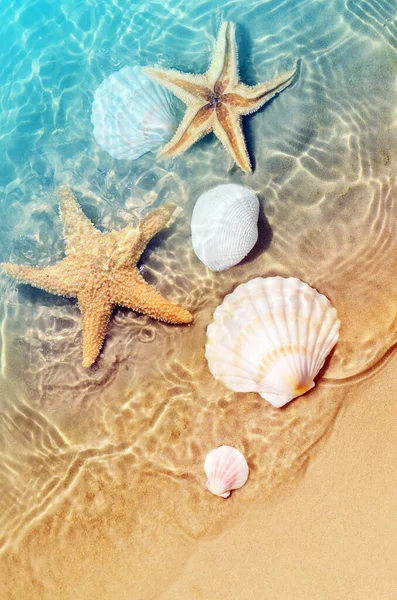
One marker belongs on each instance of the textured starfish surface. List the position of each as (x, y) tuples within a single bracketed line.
[(217, 100), (100, 270)]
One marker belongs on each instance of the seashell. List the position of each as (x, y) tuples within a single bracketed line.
[(132, 115), (271, 336), (225, 225), (226, 470)]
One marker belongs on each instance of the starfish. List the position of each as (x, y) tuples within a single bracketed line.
[(100, 270), (217, 100)]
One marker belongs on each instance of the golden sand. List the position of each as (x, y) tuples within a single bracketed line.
[(102, 481), (102, 491), (332, 535)]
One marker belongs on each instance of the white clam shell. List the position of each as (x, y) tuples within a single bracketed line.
[(225, 225), (132, 114), (271, 336), (226, 470)]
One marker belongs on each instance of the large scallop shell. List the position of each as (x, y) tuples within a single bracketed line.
[(224, 225), (132, 115), (271, 336), (226, 470)]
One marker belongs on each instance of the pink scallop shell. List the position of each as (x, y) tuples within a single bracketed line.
[(226, 470)]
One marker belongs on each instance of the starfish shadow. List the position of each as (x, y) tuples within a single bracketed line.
[(158, 241), (244, 45), (248, 124)]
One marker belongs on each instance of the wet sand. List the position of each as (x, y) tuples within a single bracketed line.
[(333, 534), (329, 532), (101, 482), (103, 493)]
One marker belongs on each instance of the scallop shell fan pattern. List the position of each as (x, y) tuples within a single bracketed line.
[(226, 470), (225, 225), (132, 115), (271, 336)]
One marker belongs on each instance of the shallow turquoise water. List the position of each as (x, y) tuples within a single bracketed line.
[(334, 127), (324, 152), (54, 55)]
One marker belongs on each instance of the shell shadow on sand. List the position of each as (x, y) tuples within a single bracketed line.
[(102, 470)]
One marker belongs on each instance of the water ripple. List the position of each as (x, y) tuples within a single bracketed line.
[(99, 459)]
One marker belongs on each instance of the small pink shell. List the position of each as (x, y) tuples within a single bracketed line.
[(226, 470)]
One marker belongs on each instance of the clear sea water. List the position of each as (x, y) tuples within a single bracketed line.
[(96, 463)]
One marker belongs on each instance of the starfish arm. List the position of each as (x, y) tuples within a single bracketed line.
[(79, 232), (191, 89), (96, 310), (228, 130), (246, 99), (131, 290), (195, 125), (223, 71), (61, 279), (127, 245), (149, 226), (155, 221)]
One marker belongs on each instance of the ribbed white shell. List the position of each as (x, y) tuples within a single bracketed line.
[(226, 470), (224, 225), (271, 336), (132, 114)]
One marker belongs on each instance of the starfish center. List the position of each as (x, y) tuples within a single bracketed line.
[(214, 100), (100, 270), (217, 100)]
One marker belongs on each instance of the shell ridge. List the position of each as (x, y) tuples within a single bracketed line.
[(156, 93), (224, 225), (300, 355), (276, 343), (293, 357), (331, 341), (131, 114), (308, 304), (317, 348), (307, 343), (271, 315), (310, 343), (248, 362), (271, 336), (226, 469), (239, 376), (237, 240), (274, 339), (252, 285), (152, 93), (230, 473), (303, 326), (234, 467), (334, 341), (226, 465), (227, 336), (266, 386), (226, 243)]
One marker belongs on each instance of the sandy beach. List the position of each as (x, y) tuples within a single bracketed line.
[(102, 488), (328, 534), (332, 535)]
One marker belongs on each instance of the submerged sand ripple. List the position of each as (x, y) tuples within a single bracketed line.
[(102, 468), (374, 17)]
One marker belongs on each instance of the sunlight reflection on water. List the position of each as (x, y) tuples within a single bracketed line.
[(89, 455)]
